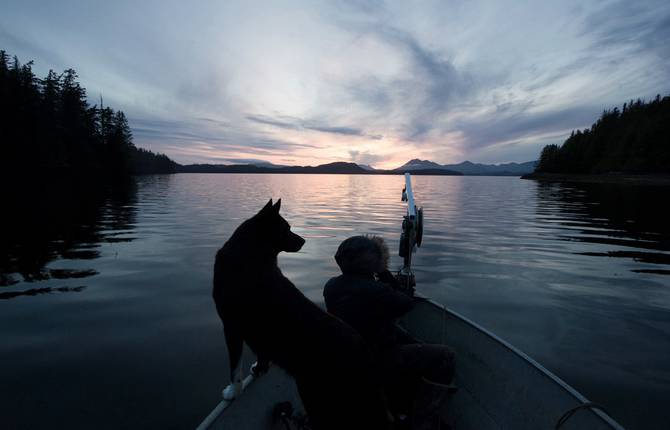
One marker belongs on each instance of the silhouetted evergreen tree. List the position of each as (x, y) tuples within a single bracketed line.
[(147, 162), (47, 124), (635, 139)]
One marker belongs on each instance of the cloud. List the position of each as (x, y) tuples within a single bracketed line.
[(368, 80), (513, 124), (347, 131), (201, 138), (418, 97), (634, 25), (275, 122), (365, 157), (433, 75), (298, 124), (548, 97), (33, 50)]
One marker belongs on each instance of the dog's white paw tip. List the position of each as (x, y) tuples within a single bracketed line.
[(231, 391), (257, 370)]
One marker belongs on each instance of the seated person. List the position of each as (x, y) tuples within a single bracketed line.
[(369, 298)]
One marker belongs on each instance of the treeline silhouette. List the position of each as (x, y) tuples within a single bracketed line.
[(47, 125), (635, 139)]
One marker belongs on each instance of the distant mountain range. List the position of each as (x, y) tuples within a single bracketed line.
[(337, 167), (415, 166), (470, 168)]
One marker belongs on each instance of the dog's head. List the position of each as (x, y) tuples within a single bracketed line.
[(276, 230)]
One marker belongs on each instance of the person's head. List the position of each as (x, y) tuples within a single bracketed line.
[(362, 255)]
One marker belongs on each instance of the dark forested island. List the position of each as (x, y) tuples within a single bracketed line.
[(48, 126), (621, 145)]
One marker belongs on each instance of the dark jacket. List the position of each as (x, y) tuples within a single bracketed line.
[(368, 305)]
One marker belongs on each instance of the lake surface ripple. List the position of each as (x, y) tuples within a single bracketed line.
[(106, 318)]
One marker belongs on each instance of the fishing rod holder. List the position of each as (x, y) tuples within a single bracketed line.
[(410, 237)]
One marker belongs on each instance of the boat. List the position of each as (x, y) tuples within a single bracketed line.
[(498, 386)]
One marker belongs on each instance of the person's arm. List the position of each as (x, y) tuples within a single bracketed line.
[(383, 301), (387, 277)]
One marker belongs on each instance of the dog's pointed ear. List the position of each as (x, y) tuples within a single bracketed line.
[(277, 206), (267, 207)]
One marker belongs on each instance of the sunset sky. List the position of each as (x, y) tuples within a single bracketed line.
[(308, 82)]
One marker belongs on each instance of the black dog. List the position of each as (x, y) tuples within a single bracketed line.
[(261, 307)]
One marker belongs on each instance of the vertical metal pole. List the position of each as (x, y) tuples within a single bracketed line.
[(411, 208)]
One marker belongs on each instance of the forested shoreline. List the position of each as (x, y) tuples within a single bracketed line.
[(48, 126), (633, 140)]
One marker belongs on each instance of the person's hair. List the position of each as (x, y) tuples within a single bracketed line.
[(362, 255)]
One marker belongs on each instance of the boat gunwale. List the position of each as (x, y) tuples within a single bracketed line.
[(541, 369), (223, 405)]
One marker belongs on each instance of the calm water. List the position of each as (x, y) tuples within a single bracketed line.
[(106, 319)]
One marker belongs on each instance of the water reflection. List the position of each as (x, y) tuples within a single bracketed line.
[(630, 220), (524, 259), (38, 291), (64, 220)]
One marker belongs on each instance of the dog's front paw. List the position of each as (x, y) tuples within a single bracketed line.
[(232, 391)]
